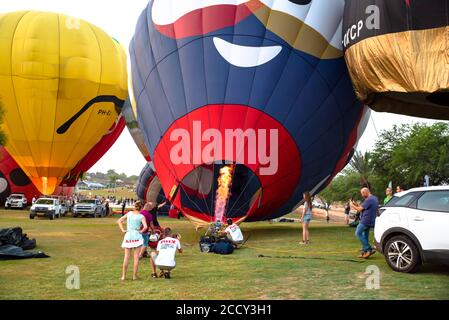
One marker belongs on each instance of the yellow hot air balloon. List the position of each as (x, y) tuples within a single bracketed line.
[(63, 82)]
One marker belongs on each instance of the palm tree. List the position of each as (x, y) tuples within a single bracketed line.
[(361, 163)]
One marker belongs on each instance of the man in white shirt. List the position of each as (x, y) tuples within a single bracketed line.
[(166, 252), (234, 233)]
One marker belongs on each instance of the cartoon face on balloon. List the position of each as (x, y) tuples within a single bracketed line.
[(62, 86), (255, 66), (13, 179)]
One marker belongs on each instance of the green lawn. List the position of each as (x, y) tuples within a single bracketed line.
[(326, 269), (119, 193)]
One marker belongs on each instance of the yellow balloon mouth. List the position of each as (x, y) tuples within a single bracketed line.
[(46, 185)]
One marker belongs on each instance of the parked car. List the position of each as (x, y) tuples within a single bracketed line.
[(413, 228), (89, 207), (16, 200), (46, 207), (316, 204)]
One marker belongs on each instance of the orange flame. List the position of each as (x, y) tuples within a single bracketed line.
[(223, 191)]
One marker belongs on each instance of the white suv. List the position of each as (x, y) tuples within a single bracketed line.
[(413, 227)]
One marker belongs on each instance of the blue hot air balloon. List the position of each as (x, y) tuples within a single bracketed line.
[(244, 104), (149, 187)]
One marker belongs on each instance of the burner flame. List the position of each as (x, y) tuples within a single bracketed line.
[(223, 192)]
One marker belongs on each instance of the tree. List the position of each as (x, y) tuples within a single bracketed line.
[(361, 163), (345, 186), (405, 155), (113, 176), (2, 134)]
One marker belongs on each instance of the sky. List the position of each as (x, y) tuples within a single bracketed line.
[(118, 18)]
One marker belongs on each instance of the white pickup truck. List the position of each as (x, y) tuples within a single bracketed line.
[(46, 207), (16, 200)]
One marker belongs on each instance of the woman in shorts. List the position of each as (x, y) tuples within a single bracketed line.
[(133, 239), (306, 217)]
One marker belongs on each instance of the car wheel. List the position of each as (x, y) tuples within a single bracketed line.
[(31, 216), (402, 254)]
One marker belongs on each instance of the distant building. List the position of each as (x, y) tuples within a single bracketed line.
[(88, 185)]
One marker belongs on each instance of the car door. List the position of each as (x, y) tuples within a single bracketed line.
[(429, 220)]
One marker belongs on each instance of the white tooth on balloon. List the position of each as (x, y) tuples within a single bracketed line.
[(244, 56), (166, 12)]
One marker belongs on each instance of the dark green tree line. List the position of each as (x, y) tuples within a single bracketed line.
[(403, 155)]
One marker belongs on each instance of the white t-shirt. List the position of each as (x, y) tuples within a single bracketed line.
[(167, 250), (235, 232)]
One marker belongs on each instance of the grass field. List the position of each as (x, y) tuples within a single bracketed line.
[(326, 269), (119, 193)]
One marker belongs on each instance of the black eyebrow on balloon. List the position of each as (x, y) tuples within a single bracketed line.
[(116, 101), (301, 2)]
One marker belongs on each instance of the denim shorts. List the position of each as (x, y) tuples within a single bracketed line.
[(146, 239)]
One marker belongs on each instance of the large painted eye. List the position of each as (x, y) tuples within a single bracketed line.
[(19, 178), (5, 190), (3, 185)]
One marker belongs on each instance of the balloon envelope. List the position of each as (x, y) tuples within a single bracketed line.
[(95, 153), (14, 180), (149, 187), (62, 83), (398, 55), (129, 112), (272, 72)]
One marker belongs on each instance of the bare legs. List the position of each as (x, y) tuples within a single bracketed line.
[(125, 263), (142, 250), (135, 262), (305, 232), (153, 266)]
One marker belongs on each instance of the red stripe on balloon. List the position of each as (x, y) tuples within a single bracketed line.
[(277, 188), (205, 20)]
